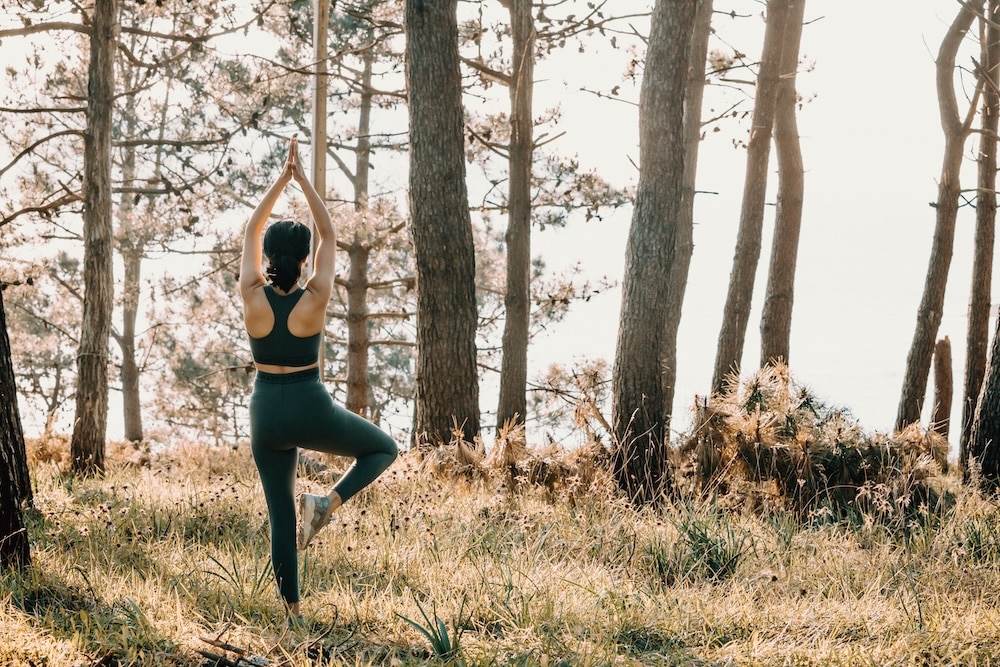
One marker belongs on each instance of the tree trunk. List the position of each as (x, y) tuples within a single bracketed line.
[(776, 320), (517, 300), (357, 326), (90, 424), (130, 248), (358, 255), (640, 462), (984, 437), (736, 313), (977, 336), (918, 361), (943, 388), (684, 241), (447, 377), (15, 483), (131, 405)]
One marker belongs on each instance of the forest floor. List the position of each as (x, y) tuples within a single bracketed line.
[(165, 561)]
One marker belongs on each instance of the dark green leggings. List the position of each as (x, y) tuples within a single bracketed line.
[(292, 411)]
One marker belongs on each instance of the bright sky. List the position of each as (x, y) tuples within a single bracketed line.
[(872, 144)]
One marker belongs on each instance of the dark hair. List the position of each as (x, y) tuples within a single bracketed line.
[(286, 244)]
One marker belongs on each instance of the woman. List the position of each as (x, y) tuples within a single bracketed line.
[(290, 407)]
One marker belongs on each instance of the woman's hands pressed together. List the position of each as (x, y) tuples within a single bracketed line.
[(293, 164)]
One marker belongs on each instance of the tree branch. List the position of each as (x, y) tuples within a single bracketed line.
[(36, 145), (45, 27), (44, 110), (488, 72), (46, 210)]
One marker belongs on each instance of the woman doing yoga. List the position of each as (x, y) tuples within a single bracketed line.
[(290, 408)]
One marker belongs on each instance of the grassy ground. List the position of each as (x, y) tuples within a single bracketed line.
[(140, 567)]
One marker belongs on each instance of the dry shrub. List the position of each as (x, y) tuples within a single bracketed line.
[(515, 466), (457, 459), (49, 449), (768, 442), (54, 449)]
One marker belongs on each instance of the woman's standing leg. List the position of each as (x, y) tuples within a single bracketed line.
[(276, 462), (277, 476)]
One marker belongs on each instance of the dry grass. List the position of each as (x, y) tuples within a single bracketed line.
[(525, 558)]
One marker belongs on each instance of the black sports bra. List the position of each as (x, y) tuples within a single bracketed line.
[(281, 347)]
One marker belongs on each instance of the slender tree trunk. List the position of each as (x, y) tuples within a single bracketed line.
[(684, 242), (15, 483), (977, 336), (517, 301), (447, 378), (358, 256), (130, 248), (956, 130), (90, 425), (776, 320), (363, 164), (736, 313), (131, 404), (640, 463), (944, 388)]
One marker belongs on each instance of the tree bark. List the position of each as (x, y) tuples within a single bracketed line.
[(736, 313), (447, 378), (956, 130), (776, 320), (984, 437), (90, 425), (977, 336), (130, 247), (517, 300), (943, 388), (15, 483), (684, 242), (131, 403), (358, 255), (640, 462)]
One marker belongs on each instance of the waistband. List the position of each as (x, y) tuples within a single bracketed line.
[(288, 378)]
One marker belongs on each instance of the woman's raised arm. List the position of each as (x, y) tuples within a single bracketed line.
[(250, 273)]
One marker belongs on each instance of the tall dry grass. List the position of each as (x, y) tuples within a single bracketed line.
[(522, 558)]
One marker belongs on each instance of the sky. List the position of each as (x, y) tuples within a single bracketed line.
[(872, 144)]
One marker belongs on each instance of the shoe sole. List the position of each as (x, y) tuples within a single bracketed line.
[(307, 508)]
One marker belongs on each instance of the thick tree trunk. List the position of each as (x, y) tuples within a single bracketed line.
[(447, 377), (15, 483), (944, 388), (977, 336), (984, 437), (640, 462), (90, 425), (684, 240), (357, 326), (736, 313), (776, 320), (918, 361), (517, 301)]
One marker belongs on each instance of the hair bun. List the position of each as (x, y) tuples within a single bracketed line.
[(286, 245)]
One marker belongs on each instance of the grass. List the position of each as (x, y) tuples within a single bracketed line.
[(138, 567), (794, 538)]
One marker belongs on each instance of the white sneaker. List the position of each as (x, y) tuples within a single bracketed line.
[(314, 513)]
